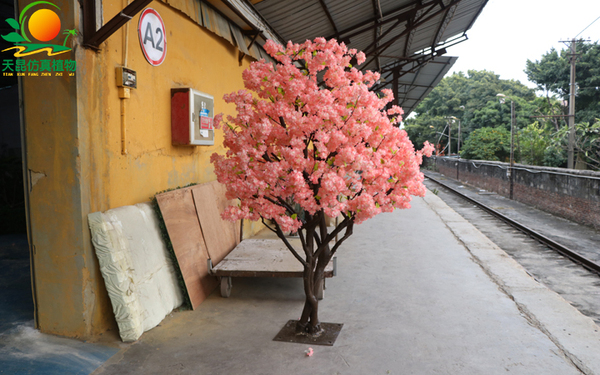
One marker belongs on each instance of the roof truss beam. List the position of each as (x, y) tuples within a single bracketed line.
[(426, 16), (398, 72), (425, 93), (442, 26), (330, 17), (375, 22), (377, 30)]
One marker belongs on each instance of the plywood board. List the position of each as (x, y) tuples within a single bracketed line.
[(220, 236), (181, 220), (222, 203), (264, 258)]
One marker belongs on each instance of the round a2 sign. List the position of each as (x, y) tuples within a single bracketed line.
[(153, 36)]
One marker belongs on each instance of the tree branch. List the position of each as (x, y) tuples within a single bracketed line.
[(272, 119), (348, 233), (266, 225), (267, 158), (287, 207), (288, 245), (336, 231)]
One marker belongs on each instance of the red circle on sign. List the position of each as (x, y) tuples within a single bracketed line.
[(153, 36)]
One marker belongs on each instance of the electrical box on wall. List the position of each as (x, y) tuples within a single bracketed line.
[(126, 77), (192, 114)]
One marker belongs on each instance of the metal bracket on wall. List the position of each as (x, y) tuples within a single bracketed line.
[(255, 35), (92, 38)]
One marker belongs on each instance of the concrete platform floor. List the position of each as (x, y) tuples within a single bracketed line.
[(574, 283), (23, 349), (419, 291)]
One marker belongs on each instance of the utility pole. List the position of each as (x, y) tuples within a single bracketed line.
[(571, 152), (453, 118), (572, 93)]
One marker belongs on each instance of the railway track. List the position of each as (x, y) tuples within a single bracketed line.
[(563, 250), (574, 274)]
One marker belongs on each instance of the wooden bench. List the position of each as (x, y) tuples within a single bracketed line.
[(263, 257)]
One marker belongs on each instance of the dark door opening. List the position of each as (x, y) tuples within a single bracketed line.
[(16, 301)]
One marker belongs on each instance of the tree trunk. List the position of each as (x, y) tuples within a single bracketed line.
[(314, 273), (318, 254), (313, 279), (309, 321)]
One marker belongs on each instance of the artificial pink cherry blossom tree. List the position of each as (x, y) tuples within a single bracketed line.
[(309, 141)]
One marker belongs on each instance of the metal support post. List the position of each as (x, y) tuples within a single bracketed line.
[(512, 140), (396, 77), (449, 140), (458, 152)]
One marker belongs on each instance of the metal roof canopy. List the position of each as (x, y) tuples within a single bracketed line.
[(403, 39), (414, 85)]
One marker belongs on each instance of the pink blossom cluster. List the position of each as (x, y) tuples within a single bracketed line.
[(308, 130)]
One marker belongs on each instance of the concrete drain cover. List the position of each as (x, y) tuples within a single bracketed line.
[(288, 334)]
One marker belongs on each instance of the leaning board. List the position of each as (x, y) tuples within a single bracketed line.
[(192, 216), (221, 236), (180, 217)]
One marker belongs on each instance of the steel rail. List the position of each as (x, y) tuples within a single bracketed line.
[(574, 256)]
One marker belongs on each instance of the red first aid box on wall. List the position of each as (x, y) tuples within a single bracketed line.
[(192, 117)]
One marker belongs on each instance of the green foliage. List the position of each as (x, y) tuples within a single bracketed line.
[(555, 157), (552, 74), (472, 99), (425, 129), (494, 114), (487, 144), (587, 142), (485, 123), (533, 142)]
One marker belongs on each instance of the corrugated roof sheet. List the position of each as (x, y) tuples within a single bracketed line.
[(414, 86), (406, 36), (399, 32), (207, 15)]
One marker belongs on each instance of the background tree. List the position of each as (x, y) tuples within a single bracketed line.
[(552, 74), (471, 98), (587, 142), (487, 144), (309, 131), (426, 130), (533, 141), (555, 156)]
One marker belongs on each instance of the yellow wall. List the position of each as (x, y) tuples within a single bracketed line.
[(195, 58), (73, 127)]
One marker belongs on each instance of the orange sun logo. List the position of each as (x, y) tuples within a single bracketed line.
[(44, 25)]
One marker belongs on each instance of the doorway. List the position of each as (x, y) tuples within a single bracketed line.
[(16, 301)]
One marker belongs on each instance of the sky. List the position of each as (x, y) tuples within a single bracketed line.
[(508, 32)]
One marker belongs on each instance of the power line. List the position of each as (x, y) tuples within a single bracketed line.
[(587, 27)]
